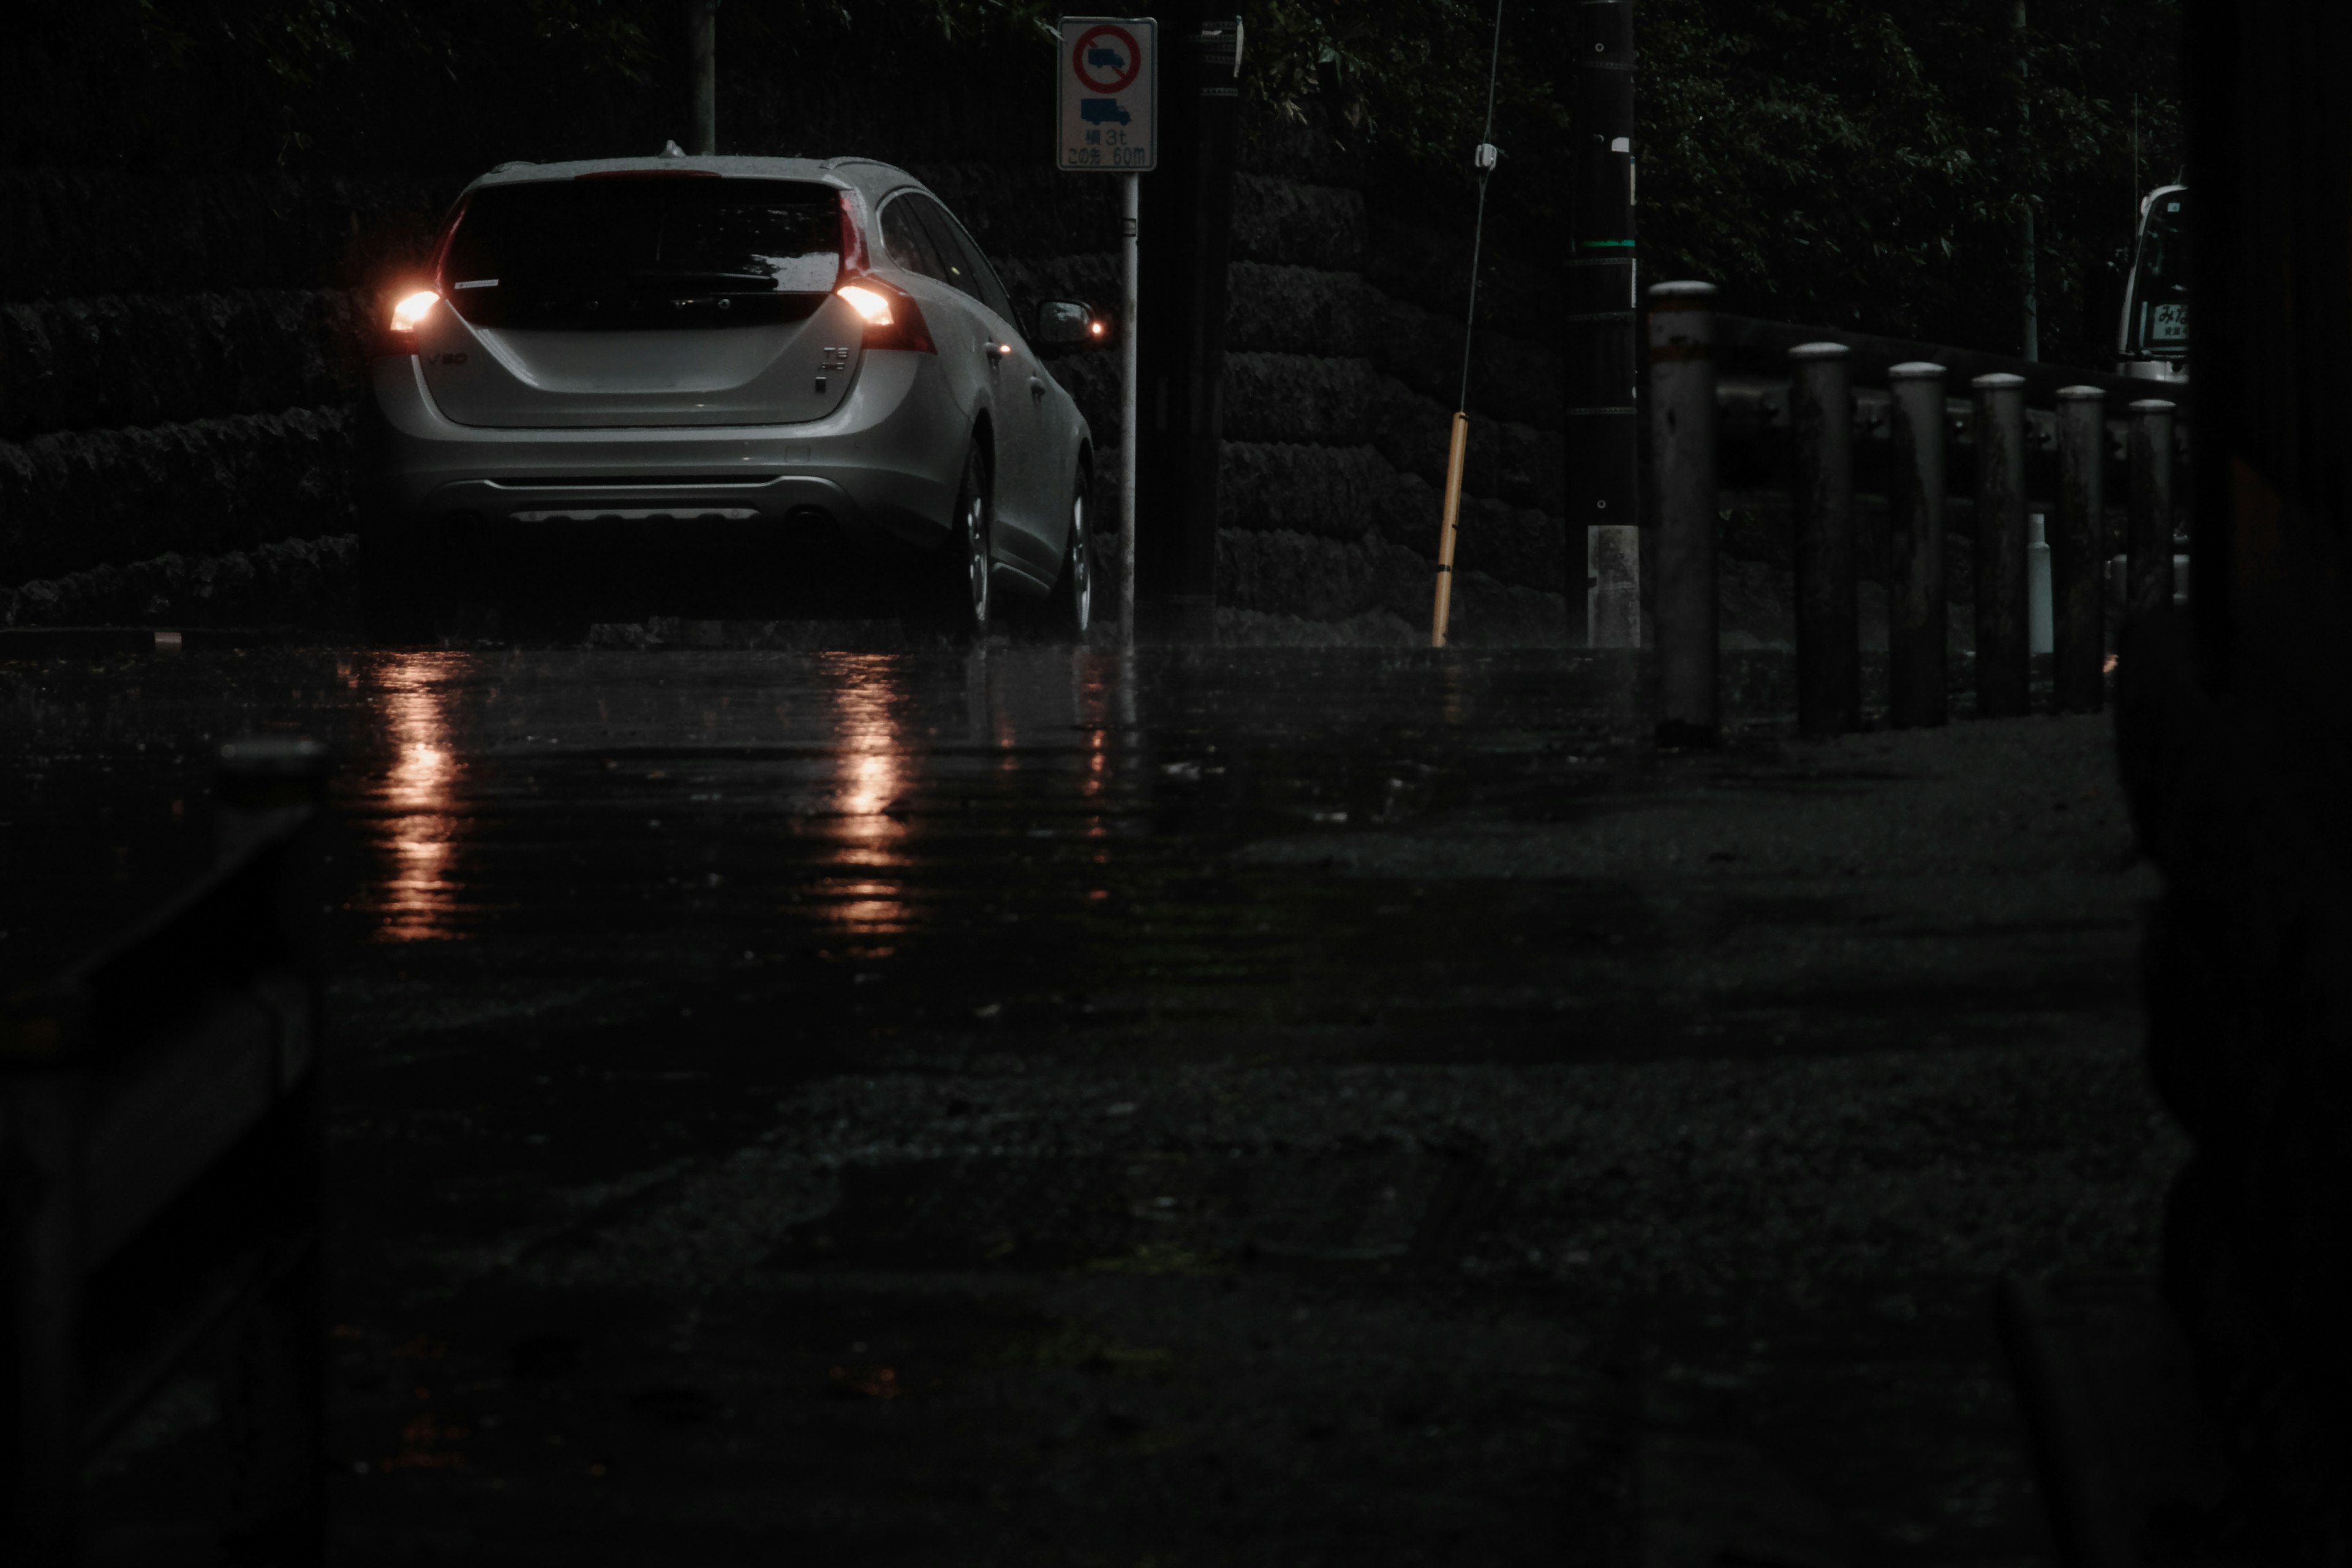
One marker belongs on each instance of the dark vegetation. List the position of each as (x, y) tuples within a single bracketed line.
[(1858, 162), (1863, 164)]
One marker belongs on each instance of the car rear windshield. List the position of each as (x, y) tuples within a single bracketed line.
[(630, 250)]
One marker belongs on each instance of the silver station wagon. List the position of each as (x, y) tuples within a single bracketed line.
[(794, 353)]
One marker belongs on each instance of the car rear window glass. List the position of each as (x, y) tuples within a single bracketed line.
[(969, 270), (658, 249), (905, 243)]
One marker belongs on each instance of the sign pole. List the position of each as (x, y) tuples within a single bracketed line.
[(1131, 261), (1107, 80)]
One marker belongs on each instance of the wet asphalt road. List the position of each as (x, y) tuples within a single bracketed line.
[(1218, 1105)]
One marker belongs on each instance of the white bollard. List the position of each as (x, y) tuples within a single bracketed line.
[(2040, 625), (1613, 594)]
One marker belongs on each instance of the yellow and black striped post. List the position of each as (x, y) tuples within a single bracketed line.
[(1445, 531)]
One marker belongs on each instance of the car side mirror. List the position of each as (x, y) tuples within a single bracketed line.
[(1071, 323)]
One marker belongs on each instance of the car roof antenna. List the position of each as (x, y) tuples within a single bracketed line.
[(672, 149)]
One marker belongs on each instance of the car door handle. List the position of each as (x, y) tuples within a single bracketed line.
[(1036, 389)]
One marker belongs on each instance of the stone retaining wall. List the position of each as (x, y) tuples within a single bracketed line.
[(108, 360), (1338, 407), (76, 232), (180, 357), (74, 499), (179, 360)]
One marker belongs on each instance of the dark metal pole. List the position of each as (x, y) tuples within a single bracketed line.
[(2079, 632), (1829, 656), (1603, 434), (1192, 598), (274, 1393), (1682, 447), (702, 48), (1182, 295), (2149, 539), (1130, 438), (40, 1230), (1916, 622), (2004, 666)]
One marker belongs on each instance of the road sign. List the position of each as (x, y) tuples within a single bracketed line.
[(1107, 75)]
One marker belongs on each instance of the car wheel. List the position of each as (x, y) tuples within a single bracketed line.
[(1074, 591), (976, 520)]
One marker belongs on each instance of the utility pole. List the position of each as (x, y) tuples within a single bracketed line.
[(702, 51), (2033, 345), (1483, 160), (1603, 426)]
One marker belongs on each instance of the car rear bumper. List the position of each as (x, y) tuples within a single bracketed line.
[(881, 469)]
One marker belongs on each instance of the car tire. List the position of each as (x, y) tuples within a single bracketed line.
[(1074, 590), (972, 542)]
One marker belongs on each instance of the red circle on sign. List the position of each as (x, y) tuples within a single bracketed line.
[(1134, 58)]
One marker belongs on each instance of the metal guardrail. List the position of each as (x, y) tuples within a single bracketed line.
[(160, 1148), (1805, 433)]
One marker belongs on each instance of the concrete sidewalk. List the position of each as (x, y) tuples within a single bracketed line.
[(1395, 1117)]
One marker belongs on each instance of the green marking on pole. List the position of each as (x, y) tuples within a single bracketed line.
[(1606, 244)]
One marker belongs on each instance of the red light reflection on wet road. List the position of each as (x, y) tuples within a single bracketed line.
[(419, 896), (869, 741)]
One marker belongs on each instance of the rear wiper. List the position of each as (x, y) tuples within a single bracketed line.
[(672, 280)]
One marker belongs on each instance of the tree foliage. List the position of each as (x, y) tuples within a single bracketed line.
[(1856, 162), (1872, 165), (1866, 163)]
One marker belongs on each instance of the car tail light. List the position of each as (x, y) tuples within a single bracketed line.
[(893, 320), (413, 304), (399, 334)]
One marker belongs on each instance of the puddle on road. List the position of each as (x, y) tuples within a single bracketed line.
[(892, 855)]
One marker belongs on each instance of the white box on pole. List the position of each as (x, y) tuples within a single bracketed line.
[(1109, 74)]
